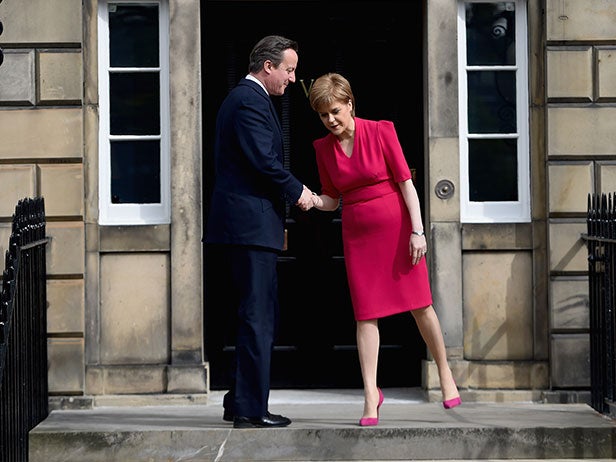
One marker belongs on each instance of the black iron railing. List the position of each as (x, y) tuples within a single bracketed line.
[(23, 331), (601, 241)]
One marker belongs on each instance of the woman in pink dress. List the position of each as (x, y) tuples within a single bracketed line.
[(361, 163)]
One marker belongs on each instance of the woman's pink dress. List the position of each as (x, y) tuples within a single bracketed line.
[(376, 226)]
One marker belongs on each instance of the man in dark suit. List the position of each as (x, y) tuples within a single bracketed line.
[(246, 220)]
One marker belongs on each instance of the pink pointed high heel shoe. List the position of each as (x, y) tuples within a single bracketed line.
[(373, 421), (453, 402)]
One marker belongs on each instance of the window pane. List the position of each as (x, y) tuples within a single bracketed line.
[(492, 102), (135, 172), (492, 168), (133, 35), (490, 33), (134, 104)]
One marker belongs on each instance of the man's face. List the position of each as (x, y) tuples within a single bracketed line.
[(278, 78)]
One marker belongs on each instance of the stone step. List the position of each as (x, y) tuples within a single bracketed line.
[(325, 428)]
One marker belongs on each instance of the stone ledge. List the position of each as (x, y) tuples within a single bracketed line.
[(492, 396), (567, 397), (517, 396), (94, 401), (490, 375)]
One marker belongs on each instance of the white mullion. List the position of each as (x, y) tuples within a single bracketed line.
[(104, 164), (522, 101), (463, 111), (492, 136), (491, 68), (165, 110), (134, 137), (134, 70)]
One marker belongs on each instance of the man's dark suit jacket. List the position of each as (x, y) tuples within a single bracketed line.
[(251, 184)]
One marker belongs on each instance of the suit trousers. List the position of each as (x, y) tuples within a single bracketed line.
[(255, 284)]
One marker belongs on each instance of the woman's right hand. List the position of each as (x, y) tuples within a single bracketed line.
[(418, 247)]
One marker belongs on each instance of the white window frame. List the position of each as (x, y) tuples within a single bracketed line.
[(133, 214), (505, 211)]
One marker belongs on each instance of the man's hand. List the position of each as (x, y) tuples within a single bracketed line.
[(305, 201)]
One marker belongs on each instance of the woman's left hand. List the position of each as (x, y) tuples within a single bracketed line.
[(418, 247)]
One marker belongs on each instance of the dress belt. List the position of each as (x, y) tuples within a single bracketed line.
[(366, 193)]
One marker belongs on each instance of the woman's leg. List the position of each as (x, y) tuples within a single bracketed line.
[(430, 330), (368, 348)]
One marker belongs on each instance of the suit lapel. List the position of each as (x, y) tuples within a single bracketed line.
[(262, 93), (274, 114)]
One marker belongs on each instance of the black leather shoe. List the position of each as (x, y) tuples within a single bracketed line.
[(267, 421), (227, 416)]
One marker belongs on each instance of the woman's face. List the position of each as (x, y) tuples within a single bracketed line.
[(337, 117)]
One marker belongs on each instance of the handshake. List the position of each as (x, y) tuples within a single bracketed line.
[(307, 200)]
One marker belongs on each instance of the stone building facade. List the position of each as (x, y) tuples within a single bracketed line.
[(126, 301)]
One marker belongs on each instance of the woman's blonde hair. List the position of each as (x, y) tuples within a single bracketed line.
[(329, 88)]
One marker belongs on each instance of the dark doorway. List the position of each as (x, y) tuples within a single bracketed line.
[(373, 44)]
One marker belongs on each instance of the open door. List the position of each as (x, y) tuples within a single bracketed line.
[(370, 43)]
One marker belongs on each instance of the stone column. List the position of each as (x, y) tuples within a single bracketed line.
[(443, 167), (187, 372)]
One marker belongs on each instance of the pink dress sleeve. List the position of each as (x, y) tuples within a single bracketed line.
[(392, 150), (321, 147)]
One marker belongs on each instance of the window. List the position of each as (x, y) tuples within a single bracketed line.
[(494, 152), (134, 154)]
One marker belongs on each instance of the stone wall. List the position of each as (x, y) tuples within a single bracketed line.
[(581, 159), (489, 285), (124, 302), (41, 154), (513, 298)]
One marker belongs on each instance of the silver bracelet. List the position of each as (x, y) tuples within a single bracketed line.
[(418, 233)]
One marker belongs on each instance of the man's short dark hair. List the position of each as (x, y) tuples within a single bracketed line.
[(269, 48)]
